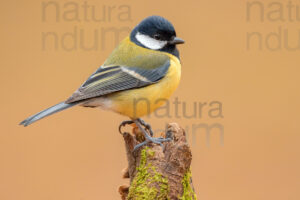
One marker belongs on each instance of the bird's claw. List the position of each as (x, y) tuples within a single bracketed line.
[(148, 138), (142, 122), (124, 123)]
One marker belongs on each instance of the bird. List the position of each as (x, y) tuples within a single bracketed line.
[(140, 74)]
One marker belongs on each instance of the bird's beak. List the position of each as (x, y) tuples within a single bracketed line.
[(176, 40)]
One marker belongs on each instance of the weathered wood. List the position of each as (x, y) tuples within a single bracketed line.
[(157, 173)]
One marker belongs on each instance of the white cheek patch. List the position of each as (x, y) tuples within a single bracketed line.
[(149, 42)]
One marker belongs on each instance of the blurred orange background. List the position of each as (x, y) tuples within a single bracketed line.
[(78, 154)]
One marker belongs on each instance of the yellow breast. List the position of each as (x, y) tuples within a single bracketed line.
[(143, 101)]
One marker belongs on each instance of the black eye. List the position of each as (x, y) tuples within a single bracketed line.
[(157, 37)]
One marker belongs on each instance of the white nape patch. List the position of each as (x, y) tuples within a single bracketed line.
[(150, 42), (134, 74)]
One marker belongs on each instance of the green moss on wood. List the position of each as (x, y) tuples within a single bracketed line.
[(143, 185), (188, 192)]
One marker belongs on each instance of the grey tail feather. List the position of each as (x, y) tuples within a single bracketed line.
[(47, 112)]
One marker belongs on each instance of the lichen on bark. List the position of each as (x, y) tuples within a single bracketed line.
[(188, 191), (148, 182)]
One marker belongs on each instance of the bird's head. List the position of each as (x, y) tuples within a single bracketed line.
[(156, 33)]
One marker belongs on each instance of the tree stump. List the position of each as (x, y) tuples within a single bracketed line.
[(157, 173)]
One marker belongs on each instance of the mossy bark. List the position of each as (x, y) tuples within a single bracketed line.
[(156, 173)]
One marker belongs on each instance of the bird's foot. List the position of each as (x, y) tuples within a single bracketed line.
[(153, 140), (142, 122), (148, 138), (124, 123)]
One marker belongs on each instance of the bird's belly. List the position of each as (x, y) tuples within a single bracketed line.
[(139, 102)]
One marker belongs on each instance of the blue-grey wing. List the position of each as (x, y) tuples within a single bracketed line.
[(110, 79)]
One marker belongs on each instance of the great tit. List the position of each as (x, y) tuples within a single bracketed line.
[(137, 78)]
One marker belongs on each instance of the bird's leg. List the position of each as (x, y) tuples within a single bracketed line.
[(142, 122), (146, 125), (148, 137)]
